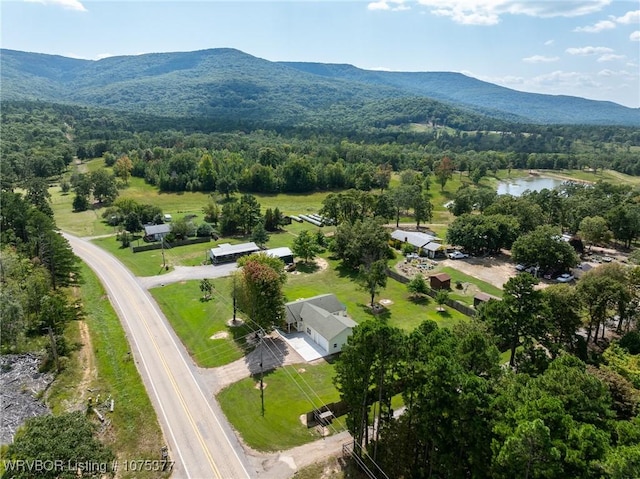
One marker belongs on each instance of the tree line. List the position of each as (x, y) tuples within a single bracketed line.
[(40, 140), (560, 409)]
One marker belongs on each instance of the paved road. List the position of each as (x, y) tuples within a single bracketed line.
[(199, 438)]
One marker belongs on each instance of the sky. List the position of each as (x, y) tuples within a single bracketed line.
[(585, 48)]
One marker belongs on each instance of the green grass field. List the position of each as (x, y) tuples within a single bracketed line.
[(195, 321), (290, 392), (135, 432)]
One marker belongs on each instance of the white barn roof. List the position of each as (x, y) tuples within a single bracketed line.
[(413, 237), (279, 252), (227, 249)]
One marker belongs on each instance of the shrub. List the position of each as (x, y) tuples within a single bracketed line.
[(204, 230)]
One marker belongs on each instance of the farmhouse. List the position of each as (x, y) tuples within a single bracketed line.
[(323, 318), (156, 232), (225, 253), (421, 241), (285, 254)]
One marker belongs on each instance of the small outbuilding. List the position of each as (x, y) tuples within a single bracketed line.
[(284, 253), (440, 281), (482, 298), (433, 249)]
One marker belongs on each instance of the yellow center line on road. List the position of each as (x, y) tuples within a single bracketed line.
[(198, 435), (180, 396)]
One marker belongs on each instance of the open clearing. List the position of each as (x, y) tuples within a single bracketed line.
[(496, 270)]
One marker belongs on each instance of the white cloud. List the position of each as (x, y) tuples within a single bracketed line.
[(488, 12), (598, 27), (609, 57), (635, 36), (101, 56), (393, 5), (589, 51), (66, 4), (612, 73), (561, 78), (540, 59), (548, 43), (629, 17)]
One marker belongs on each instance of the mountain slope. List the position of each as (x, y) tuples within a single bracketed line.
[(230, 85), (483, 97)]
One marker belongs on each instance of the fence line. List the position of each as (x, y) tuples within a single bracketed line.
[(452, 303)]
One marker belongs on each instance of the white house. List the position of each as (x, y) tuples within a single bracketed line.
[(323, 318)]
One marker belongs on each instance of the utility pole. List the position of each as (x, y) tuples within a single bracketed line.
[(235, 295), (164, 264), (261, 333)]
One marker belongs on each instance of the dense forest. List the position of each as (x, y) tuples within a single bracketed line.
[(40, 140)]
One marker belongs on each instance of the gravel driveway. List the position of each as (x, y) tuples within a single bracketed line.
[(185, 273)]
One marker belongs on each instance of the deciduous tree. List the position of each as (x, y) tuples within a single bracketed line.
[(305, 246)]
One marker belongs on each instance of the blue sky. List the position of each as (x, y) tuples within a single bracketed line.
[(587, 48)]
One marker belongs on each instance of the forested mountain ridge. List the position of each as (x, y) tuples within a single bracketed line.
[(483, 97), (231, 85)]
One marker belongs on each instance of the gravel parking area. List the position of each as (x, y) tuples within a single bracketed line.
[(495, 270)]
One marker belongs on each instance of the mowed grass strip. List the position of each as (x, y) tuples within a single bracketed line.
[(195, 321), (290, 392), (134, 433), (464, 278)]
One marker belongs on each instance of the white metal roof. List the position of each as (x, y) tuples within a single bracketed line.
[(413, 237), (228, 249)]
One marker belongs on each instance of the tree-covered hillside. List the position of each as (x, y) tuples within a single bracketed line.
[(229, 85)]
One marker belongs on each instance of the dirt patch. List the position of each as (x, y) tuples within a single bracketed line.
[(264, 385), (386, 302), (220, 335), (468, 289), (322, 264), (87, 361), (234, 324), (302, 370), (493, 270)]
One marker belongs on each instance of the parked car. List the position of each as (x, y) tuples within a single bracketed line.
[(520, 267), (565, 278), (457, 255)]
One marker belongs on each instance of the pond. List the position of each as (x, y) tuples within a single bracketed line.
[(518, 186)]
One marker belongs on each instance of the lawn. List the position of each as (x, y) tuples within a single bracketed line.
[(149, 263), (195, 321), (401, 312), (134, 432), (290, 392)]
